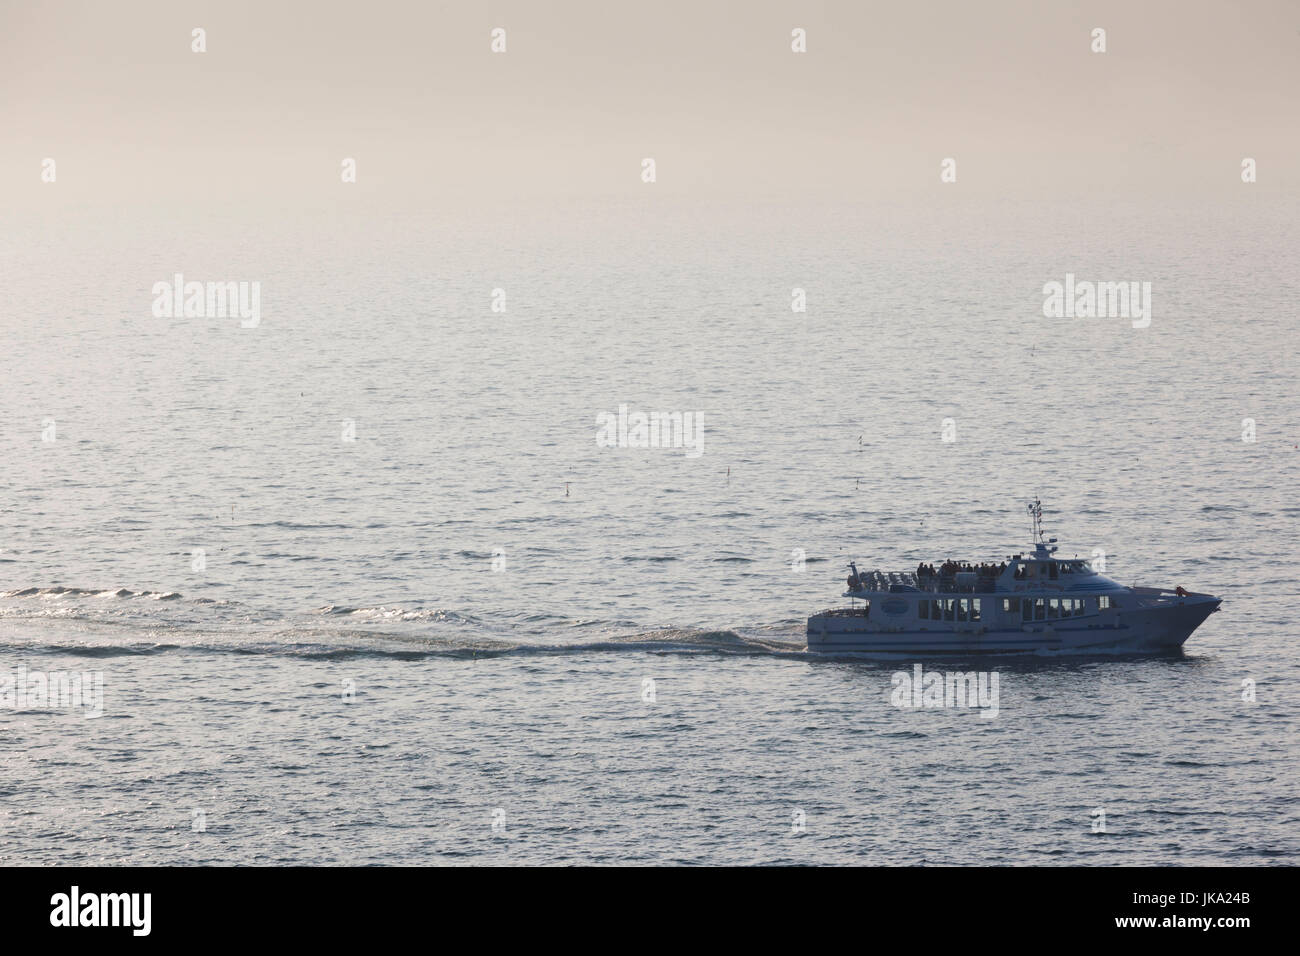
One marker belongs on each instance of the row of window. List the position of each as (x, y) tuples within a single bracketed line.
[(1029, 609), (950, 609), (1047, 609), (1049, 569)]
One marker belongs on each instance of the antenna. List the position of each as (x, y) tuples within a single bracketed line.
[(1036, 513)]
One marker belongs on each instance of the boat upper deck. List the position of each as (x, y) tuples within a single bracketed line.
[(895, 581), (1037, 570), (1018, 573)]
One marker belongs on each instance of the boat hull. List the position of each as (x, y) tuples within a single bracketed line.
[(1139, 631)]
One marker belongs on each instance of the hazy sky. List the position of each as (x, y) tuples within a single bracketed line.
[(710, 90)]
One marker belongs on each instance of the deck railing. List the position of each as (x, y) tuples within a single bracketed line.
[(931, 584), (859, 611)]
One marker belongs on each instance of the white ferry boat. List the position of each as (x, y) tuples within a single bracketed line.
[(1029, 603)]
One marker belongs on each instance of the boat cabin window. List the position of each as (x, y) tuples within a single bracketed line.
[(1010, 606), (1103, 602), (975, 608)]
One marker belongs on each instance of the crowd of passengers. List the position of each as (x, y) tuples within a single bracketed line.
[(949, 568)]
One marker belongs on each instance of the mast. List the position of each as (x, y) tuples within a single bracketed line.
[(1041, 549), (1036, 514)]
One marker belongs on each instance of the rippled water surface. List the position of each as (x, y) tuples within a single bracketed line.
[(347, 677)]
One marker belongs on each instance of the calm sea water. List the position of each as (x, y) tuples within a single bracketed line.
[(389, 644)]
